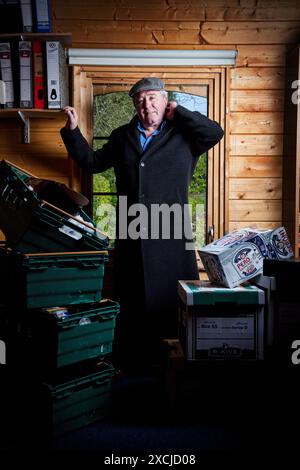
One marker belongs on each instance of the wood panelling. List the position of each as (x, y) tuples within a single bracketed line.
[(135, 33), (259, 78), (143, 33), (14, 141), (255, 144), (256, 100), (162, 10), (253, 167), (47, 166), (255, 188), (256, 123), (253, 13), (264, 210), (256, 32), (134, 73), (260, 224), (45, 156), (261, 55)]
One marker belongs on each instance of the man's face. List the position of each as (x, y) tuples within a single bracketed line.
[(150, 106)]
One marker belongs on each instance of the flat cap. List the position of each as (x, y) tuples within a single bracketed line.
[(146, 84)]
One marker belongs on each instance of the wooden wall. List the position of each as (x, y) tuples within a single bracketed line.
[(45, 155), (261, 31)]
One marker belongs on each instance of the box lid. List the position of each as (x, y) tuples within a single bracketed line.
[(207, 293)]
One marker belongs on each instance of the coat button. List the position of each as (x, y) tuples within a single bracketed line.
[(142, 164)]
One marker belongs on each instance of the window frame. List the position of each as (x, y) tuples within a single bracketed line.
[(89, 80)]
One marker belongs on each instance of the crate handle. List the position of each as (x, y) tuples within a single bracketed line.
[(41, 267), (101, 381), (47, 221), (87, 264), (72, 217), (68, 223), (66, 393)]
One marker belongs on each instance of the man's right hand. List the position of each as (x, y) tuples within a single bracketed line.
[(72, 118)]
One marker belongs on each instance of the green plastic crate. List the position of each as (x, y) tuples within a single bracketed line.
[(86, 332), (78, 402), (33, 225), (47, 279)]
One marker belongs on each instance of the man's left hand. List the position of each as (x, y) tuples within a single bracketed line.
[(170, 110)]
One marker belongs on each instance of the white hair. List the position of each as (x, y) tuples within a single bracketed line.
[(162, 92)]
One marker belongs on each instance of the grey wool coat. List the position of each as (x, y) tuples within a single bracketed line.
[(159, 175)]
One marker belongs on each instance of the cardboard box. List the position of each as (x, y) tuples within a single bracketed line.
[(238, 256), (221, 324)]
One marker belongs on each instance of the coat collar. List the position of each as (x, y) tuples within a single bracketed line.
[(156, 142)]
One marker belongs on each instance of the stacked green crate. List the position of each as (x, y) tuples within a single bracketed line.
[(56, 317), (57, 337), (36, 280), (31, 224), (78, 402)]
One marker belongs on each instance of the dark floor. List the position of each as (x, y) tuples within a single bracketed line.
[(244, 408)]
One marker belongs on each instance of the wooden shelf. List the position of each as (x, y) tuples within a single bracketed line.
[(64, 38), (29, 112), (25, 114)]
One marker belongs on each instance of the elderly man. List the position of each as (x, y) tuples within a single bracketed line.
[(154, 157)]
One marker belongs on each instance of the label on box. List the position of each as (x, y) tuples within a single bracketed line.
[(224, 327), (247, 260), (279, 244), (223, 337), (225, 351)]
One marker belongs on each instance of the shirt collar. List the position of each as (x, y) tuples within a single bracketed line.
[(160, 127)]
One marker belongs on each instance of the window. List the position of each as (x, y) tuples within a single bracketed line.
[(103, 103), (109, 112), (115, 109)]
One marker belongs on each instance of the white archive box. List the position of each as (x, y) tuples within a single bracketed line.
[(218, 323)]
